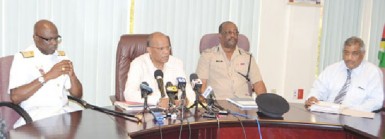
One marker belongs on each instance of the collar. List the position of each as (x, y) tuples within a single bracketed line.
[(356, 70)]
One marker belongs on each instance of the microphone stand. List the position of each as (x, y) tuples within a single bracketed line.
[(104, 110), (145, 105), (209, 113), (197, 101)]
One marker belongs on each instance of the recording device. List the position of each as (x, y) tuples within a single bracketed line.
[(145, 91), (172, 92), (196, 83), (182, 86), (158, 114), (158, 74)]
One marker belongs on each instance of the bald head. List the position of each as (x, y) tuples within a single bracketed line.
[(44, 25), (46, 36), (159, 48), (151, 40)]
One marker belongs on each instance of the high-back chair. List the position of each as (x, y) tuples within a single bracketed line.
[(130, 46), (9, 112), (211, 40)]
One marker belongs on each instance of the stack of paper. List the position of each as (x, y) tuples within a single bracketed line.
[(328, 107), (130, 106), (243, 103)]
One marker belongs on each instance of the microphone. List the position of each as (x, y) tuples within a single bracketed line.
[(182, 86), (196, 83), (158, 74), (145, 89), (171, 90)]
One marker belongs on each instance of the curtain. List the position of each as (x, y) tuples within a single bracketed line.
[(91, 30), (186, 21), (377, 25), (342, 19)]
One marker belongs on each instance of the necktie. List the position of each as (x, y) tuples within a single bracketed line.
[(341, 95)]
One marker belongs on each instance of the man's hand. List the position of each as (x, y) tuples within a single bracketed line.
[(163, 103), (310, 101), (63, 67)]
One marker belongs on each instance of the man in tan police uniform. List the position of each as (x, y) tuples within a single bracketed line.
[(225, 67)]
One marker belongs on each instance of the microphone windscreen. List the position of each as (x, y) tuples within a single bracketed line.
[(158, 74), (169, 84), (146, 87), (193, 76), (145, 83)]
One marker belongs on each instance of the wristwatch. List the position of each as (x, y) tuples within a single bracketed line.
[(41, 80)]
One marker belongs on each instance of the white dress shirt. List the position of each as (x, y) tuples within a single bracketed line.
[(51, 99), (142, 70), (364, 93)]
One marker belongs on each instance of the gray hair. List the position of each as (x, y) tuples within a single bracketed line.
[(353, 41)]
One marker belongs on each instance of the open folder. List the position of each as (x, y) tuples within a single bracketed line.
[(328, 107)]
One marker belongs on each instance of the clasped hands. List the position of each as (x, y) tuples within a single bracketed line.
[(63, 67)]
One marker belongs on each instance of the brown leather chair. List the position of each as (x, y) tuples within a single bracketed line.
[(129, 47), (11, 112), (211, 40)]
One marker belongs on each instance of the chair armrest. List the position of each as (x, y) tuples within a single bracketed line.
[(19, 110)]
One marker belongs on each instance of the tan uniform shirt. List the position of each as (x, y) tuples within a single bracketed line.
[(222, 74)]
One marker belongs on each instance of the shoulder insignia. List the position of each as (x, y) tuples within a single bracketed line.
[(61, 53), (27, 54)]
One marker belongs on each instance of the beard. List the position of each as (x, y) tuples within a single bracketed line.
[(231, 43)]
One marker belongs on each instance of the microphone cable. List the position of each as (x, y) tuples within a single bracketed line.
[(104, 110), (247, 116), (218, 129), (243, 128)]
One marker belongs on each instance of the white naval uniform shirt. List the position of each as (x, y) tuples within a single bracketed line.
[(51, 99)]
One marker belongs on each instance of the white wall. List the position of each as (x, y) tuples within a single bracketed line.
[(288, 46)]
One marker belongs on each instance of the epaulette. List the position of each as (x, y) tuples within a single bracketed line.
[(61, 53), (27, 54)]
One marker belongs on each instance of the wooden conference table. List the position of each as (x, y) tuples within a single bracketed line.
[(296, 124)]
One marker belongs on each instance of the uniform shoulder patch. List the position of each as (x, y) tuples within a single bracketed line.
[(61, 53), (27, 54)]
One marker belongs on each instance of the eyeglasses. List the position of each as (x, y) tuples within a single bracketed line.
[(57, 39), (230, 32), (162, 48)]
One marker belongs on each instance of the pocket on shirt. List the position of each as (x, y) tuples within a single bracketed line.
[(357, 93)]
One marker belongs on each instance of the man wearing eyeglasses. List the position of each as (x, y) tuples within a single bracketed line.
[(41, 77), (228, 69), (143, 67)]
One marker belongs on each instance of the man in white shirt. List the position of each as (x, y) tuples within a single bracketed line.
[(143, 67), (352, 82), (41, 77)]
